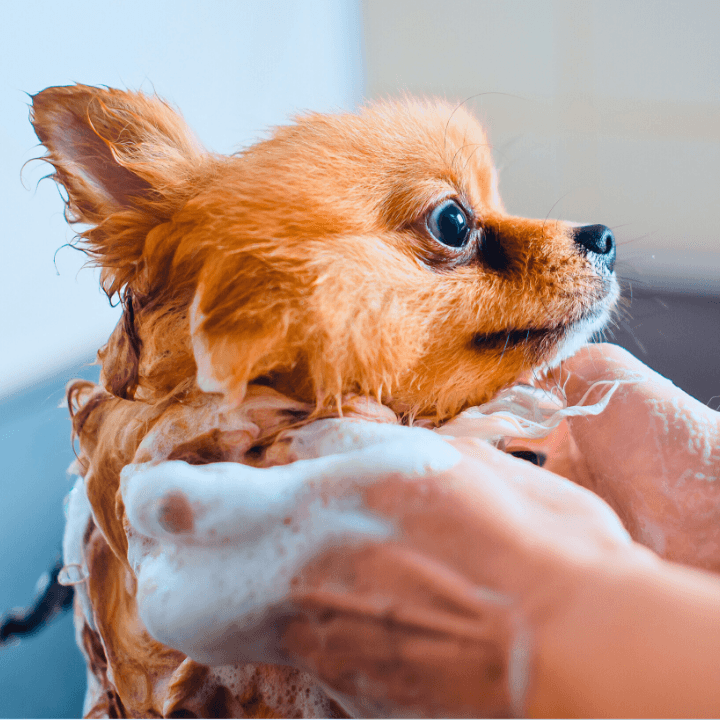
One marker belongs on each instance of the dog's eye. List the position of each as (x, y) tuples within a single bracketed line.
[(449, 225)]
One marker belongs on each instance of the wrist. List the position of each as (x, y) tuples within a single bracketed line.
[(574, 623), (636, 636)]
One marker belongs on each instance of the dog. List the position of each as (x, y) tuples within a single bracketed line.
[(358, 265)]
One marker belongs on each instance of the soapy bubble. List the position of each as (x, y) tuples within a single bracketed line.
[(72, 574)]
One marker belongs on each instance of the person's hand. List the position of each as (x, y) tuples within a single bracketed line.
[(411, 576), (653, 454), (443, 618), (497, 523)]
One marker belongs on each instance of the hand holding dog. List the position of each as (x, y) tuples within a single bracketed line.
[(442, 619), (653, 454), (433, 565), (412, 623), (483, 587)]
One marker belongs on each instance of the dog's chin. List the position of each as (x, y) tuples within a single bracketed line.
[(577, 334), (574, 337)]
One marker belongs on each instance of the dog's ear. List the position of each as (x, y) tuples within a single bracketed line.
[(127, 161)]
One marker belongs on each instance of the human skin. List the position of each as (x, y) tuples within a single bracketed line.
[(611, 629), (451, 579), (637, 637), (653, 454), (407, 623)]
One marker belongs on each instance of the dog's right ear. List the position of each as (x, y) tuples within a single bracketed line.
[(127, 160)]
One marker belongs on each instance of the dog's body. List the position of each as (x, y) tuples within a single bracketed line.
[(364, 256)]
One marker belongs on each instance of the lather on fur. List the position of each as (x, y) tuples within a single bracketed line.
[(346, 257)]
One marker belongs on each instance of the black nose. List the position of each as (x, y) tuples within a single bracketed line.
[(597, 239)]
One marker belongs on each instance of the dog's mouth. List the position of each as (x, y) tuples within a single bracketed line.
[(544, 340), (506, 339), (556, 339)]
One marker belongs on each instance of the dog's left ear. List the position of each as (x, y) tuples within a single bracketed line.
[(127, 160)]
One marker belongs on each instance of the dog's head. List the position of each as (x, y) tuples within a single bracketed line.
[(363, 252)]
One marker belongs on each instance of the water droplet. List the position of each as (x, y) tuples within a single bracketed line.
[(72, 574)]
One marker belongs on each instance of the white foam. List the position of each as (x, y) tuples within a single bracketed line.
[(522, 411), (207, 590), (78, 514)]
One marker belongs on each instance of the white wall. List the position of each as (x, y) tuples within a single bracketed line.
[(234, 67), (613, 112)]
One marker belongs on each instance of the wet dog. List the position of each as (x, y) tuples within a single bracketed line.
[(347, 257)]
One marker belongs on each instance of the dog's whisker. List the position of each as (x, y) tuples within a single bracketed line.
[(560, 199), (467, 100), (476, 146), (625, 243), (628, 328)]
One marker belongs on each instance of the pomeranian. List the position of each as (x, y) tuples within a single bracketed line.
[(354, 265)]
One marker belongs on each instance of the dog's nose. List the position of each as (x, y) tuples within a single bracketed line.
[(597, 239)]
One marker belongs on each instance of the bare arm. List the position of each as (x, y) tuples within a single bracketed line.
[(640, 637)]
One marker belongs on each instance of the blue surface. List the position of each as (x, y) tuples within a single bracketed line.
[(44, 675)]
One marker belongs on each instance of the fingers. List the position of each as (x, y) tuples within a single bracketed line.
[(388, 667), (644, 401), (205, 504), (497, 520), (653, 453), (221, 502), (431, 622), (646, 418), (241, 534), (396, 627)]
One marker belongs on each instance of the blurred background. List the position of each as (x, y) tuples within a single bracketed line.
[(600, 111)]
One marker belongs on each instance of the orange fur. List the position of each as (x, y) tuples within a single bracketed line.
[(305, 259)]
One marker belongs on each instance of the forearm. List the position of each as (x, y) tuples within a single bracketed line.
[(638, 637)]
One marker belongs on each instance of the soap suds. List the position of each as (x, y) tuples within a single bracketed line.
[(525, 412), (239, 549), (78, 514), (244, 532)]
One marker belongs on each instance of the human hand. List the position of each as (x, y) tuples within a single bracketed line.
[(214, 547), (442, 619), (653, 454), (407, 574)]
